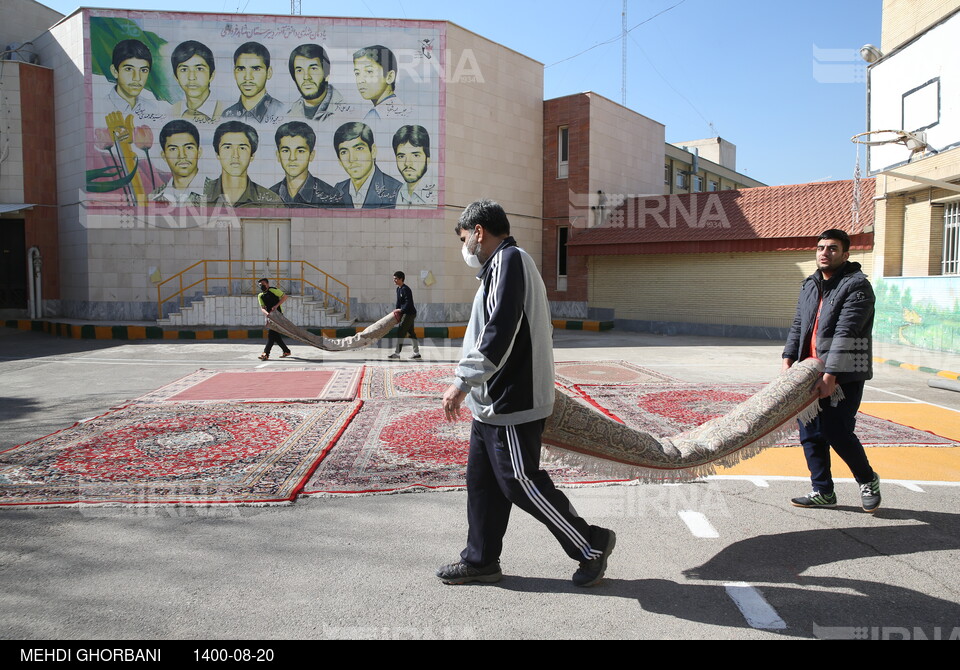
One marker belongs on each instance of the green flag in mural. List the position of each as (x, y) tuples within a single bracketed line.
[(106, 33)]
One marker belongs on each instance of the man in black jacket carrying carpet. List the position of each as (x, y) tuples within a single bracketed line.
[(834, 322), (406, 313)]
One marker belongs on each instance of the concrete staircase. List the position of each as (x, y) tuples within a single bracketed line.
[(225, 310)]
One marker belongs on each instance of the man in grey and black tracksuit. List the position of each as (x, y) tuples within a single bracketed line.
[(506, 379)]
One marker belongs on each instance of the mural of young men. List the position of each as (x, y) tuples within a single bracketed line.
[(375, 69), (295, 150), (411, 146), (180, 145), (251, 70), (310, 67), (236, 144), (367, 187), (130, 66), (194, 68)]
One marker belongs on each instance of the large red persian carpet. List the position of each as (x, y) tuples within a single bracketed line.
[(155, 454), (263, 437), (667, 409), (261, 385), (405, 444)]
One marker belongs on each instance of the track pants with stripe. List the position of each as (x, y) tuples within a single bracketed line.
[(503, 469), (834, 427)]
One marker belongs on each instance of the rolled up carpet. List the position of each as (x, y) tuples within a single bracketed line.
[(370, 335), (577, 434)]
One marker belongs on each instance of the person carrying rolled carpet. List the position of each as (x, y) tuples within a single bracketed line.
[(270, 300), (834, 323), (406, 312)]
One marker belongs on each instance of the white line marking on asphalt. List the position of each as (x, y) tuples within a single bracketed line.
[(754, 607), (900, 395), (910, 484), (698, 524)]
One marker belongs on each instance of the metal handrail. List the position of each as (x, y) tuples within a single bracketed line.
[(277, 276)]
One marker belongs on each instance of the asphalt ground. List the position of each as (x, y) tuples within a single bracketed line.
[(723, 558)]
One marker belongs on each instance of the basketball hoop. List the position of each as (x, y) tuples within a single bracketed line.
[(873, 138)]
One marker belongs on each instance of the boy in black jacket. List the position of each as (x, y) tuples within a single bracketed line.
[(408, 313)]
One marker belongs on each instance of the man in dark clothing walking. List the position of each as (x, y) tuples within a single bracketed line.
[(506, 379), (270, 300), (834, 322), (407, 313)]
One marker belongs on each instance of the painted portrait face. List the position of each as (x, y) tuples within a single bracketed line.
[(411, 162), (194, 77), (182, 154), (251, 74), (357, 158), (235, 154), (371, 81), (131, 77), (308, 75), (294, 155)]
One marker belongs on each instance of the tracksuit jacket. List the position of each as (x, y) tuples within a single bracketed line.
[(506, 366), (845, 330)]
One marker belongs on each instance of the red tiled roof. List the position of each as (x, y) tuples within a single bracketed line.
[(765, 218)]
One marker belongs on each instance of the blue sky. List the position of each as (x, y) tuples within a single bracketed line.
[(780, 80)]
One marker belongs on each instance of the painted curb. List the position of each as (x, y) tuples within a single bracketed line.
[(94, 332)]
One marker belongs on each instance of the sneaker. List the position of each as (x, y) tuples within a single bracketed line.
[(394, 356), (264, 357), (816, 499), (590, 572), (416, 357), (464, 573), (870, 494), (285, 354)]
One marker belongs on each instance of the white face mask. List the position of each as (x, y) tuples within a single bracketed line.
[(470, 259)]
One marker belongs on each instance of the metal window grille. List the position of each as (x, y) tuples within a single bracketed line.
[(951, 239)]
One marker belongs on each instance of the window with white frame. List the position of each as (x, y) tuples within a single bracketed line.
[(682, 180), (951, 239), (697, 184), (563, 152)]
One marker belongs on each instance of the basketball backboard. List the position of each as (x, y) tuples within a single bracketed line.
[(916, 88)]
